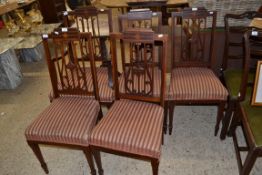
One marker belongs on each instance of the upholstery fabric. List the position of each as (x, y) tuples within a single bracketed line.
[(67, 120), (131, 127), (105, 92), (254, 118), (196, 83), (233, 79)]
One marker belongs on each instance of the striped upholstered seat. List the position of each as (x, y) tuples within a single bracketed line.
[(67, 120), (196, 83), (131, 127), (105, 92)]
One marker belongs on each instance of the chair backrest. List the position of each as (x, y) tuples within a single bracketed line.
[(96, 21), (141, 77), (141, 18), (250, 37), (235, 26), (70, 73), (193, 32)]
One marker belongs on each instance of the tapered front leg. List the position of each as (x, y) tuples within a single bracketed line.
[(38, 154)]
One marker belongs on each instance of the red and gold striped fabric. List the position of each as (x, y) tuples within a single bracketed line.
[(196, 84), (131, 127), (105, 92), (67, 120)]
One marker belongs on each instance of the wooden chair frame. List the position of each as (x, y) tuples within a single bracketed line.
[(237, 29), (142, 17), (195, 14), (160, 100), (240, 119), (232, 101), (87, 20), (70, 35)]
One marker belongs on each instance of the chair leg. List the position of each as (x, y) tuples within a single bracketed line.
[(220, 111), (236, 121), (171, 111), (165, 116), (97, 157), (249, 162), (155, 164), (100, 115), (226, 120), (37, 152), (90, 160)]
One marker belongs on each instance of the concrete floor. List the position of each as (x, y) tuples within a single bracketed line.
[(192, 149)]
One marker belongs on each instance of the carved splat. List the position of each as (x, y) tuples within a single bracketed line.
[(138, 65), (193, 45), (193, 36), (90, 19), (69, 68)]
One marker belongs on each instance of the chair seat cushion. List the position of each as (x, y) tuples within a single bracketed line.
[(67, 120), (131, 127), (196, 83), (254, 118), (233, 78), (106, 93), (157, 84)]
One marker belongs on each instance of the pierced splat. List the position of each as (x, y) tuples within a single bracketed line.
[(68, 65), (90, 19), (139, 66), (193, 38), (193, 45)]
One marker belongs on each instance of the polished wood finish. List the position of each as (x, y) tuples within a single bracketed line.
[(195, 38), (142, 18), (99, 23), (52, 10), (234, 53), (193, 46), (138, 65), (70, 70), (240, 118), (87, 19), (165, 6), (231, 29), (149, 38)]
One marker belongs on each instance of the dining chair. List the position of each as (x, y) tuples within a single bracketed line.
[(193, 80), (246, 116), (145, 18), (73, 113), (141, 18), (133, 126), (99, 23), (233, 61)]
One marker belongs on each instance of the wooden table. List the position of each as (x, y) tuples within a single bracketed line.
[(163, 4), (8, 7)]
